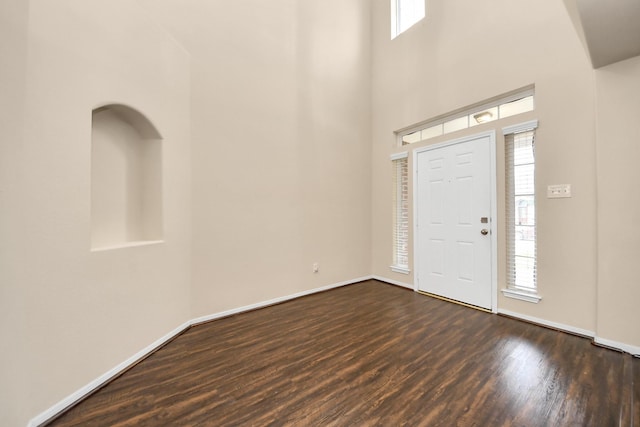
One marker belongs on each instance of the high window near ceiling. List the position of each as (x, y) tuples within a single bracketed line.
[(404, 14)]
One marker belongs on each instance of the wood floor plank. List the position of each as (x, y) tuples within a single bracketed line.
[(362, 355), (636, 393)]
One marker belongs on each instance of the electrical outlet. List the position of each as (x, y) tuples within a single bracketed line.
[(316, 267), (558, 191)]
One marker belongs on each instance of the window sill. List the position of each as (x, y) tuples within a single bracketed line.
[(126, 245), (398, 269), (521, 295)]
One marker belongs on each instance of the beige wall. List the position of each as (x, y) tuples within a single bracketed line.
[(281, 175), (464, 53), (14, 390), (278, 121), (618, 147), (281, 148), (79, 313)]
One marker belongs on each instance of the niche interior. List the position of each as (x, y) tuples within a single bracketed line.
[(126, 179)]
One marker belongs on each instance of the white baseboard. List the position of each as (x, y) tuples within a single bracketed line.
[(393, 282), (632, 349), (106, 377), (274, 301), (543, 322), (627, 348)]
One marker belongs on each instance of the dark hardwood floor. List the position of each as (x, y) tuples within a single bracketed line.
[(635, 401), (370, 354)]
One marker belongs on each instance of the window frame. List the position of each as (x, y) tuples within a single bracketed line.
[(436, 126), (512, 290), (401, 199), (396, 14)]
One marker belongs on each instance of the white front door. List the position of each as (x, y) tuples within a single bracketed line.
[(453, 221)]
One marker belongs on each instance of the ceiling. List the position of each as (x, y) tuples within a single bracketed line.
[(609, 29)]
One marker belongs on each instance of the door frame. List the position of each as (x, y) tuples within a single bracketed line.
[(494, 208)]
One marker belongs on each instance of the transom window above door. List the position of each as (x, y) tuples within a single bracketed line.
[(519, 102)]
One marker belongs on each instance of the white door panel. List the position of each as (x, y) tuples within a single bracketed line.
[(453, 195)]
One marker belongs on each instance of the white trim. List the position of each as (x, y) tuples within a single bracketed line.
[(416, 151), (466, 111), (416, 219), (627, 348), (104, 378), (494, 222), (520, 127), (400, 269), (494, 207), (275, 301), (81, 393), (393, 282), (394, 19), (521, 295), (399, 156), (127, 245), (560, 326)]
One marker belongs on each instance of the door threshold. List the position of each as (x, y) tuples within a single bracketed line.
[(464, 304)]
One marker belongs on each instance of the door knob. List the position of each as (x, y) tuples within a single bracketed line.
[(484, 231)]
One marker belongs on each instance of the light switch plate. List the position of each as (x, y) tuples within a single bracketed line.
[(558, 191)]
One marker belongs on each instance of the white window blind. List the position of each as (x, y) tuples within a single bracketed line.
[(401, 213), (521, 210)]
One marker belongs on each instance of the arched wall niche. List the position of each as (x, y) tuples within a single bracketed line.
[(126, 178)]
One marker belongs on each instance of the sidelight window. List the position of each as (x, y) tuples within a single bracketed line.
[(400, 214), (521, 212)]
